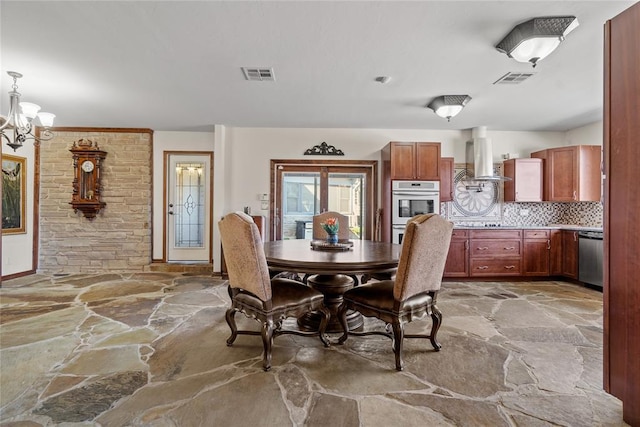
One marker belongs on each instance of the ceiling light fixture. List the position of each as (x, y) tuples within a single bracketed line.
[(448, 106), (20, 119), (533, 40)]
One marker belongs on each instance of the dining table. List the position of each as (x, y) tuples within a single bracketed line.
[(331, 270)]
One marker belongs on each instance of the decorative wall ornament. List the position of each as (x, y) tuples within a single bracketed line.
[(473, 205), (323, 149)]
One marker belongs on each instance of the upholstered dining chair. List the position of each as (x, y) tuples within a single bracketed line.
[(255, 294), (343, 223), (413, 293)]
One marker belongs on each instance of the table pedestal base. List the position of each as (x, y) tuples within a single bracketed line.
[(332, 287)]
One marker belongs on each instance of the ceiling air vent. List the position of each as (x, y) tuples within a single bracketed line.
[(259, 74), (513, 78)]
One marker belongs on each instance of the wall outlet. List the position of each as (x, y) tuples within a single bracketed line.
[(524, 212)]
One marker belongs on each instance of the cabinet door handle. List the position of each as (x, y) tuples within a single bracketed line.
[(483, 248), (483, 267), (509, 248), (509, 267), (575, 195), (548, 244), (575, 236), (466, 245)]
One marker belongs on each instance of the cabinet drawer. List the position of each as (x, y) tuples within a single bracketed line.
[(537, 234), (496, 234), (495, 248), (496, 267), (457, 234)]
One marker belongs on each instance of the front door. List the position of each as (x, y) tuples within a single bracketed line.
[(188, 210)]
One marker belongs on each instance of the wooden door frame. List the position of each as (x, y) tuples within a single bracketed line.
[(371, 198), (165, 201)]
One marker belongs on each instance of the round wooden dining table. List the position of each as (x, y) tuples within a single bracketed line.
[(331, 271)]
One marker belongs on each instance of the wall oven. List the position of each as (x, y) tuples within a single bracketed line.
[(411, 198)]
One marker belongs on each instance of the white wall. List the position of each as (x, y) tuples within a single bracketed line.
[(591, 134), (17, 249), (171, 141), (251, 149)]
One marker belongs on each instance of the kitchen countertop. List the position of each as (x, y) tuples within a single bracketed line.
[(572, 227)]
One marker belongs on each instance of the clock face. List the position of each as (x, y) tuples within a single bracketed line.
[(87, 166)]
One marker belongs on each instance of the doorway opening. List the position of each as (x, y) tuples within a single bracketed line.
[(304, 188)]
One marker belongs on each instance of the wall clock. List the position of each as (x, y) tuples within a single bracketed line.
[(87, 189)]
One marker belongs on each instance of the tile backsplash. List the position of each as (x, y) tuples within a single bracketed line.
[(589, 214)]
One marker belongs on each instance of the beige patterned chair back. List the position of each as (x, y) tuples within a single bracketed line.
[(244, 255), (343, 221), (425, 246)]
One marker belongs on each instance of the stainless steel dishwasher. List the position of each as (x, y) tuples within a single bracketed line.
[(590, 260)]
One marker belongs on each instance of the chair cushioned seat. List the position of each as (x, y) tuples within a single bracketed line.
[(285, 293), (379, 295)]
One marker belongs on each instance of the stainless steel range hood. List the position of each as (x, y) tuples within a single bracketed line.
[(479, 157)]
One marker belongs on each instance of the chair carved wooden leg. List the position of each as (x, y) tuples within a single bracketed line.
[(231, 321), (267, 341), (398, 335), (436, 317)]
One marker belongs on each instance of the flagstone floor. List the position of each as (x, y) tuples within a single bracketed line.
[(148, 349)]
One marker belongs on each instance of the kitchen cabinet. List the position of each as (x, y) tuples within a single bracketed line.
[(526, 180), (555, 254), (414, 160), (570, 254), (536, 252), (446, 179), (495, 253), (457, 264), (572, 173), (621, 242)]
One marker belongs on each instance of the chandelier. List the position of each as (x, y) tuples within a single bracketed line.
[(20, 119)]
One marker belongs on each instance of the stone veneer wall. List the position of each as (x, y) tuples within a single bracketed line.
[(119, 238)]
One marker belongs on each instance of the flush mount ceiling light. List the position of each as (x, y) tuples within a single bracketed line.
[(448, 106), (536, 38)]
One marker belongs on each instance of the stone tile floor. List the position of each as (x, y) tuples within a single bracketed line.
[(149, 349)]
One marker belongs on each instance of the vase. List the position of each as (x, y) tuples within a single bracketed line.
[(332, 239)]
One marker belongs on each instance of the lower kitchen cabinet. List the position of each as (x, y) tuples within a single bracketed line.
[(555, 255), (570, 254), (512, 252), (536, 251), (495, 253), (458, 259)]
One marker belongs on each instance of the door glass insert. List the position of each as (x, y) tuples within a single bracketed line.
[(189, 209), (300, 202), (346, 196)]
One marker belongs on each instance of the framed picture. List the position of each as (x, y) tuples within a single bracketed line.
[(14, 194)]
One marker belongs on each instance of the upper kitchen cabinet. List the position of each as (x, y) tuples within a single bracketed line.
[(413, 160), (526, 180), (446, 179), (571, 174)]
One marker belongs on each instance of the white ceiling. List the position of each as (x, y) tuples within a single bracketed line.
[(176, 65)]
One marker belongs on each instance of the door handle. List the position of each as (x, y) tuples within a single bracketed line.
[(170, 206)]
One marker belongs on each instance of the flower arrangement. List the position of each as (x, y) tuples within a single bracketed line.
[(331, 225)]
